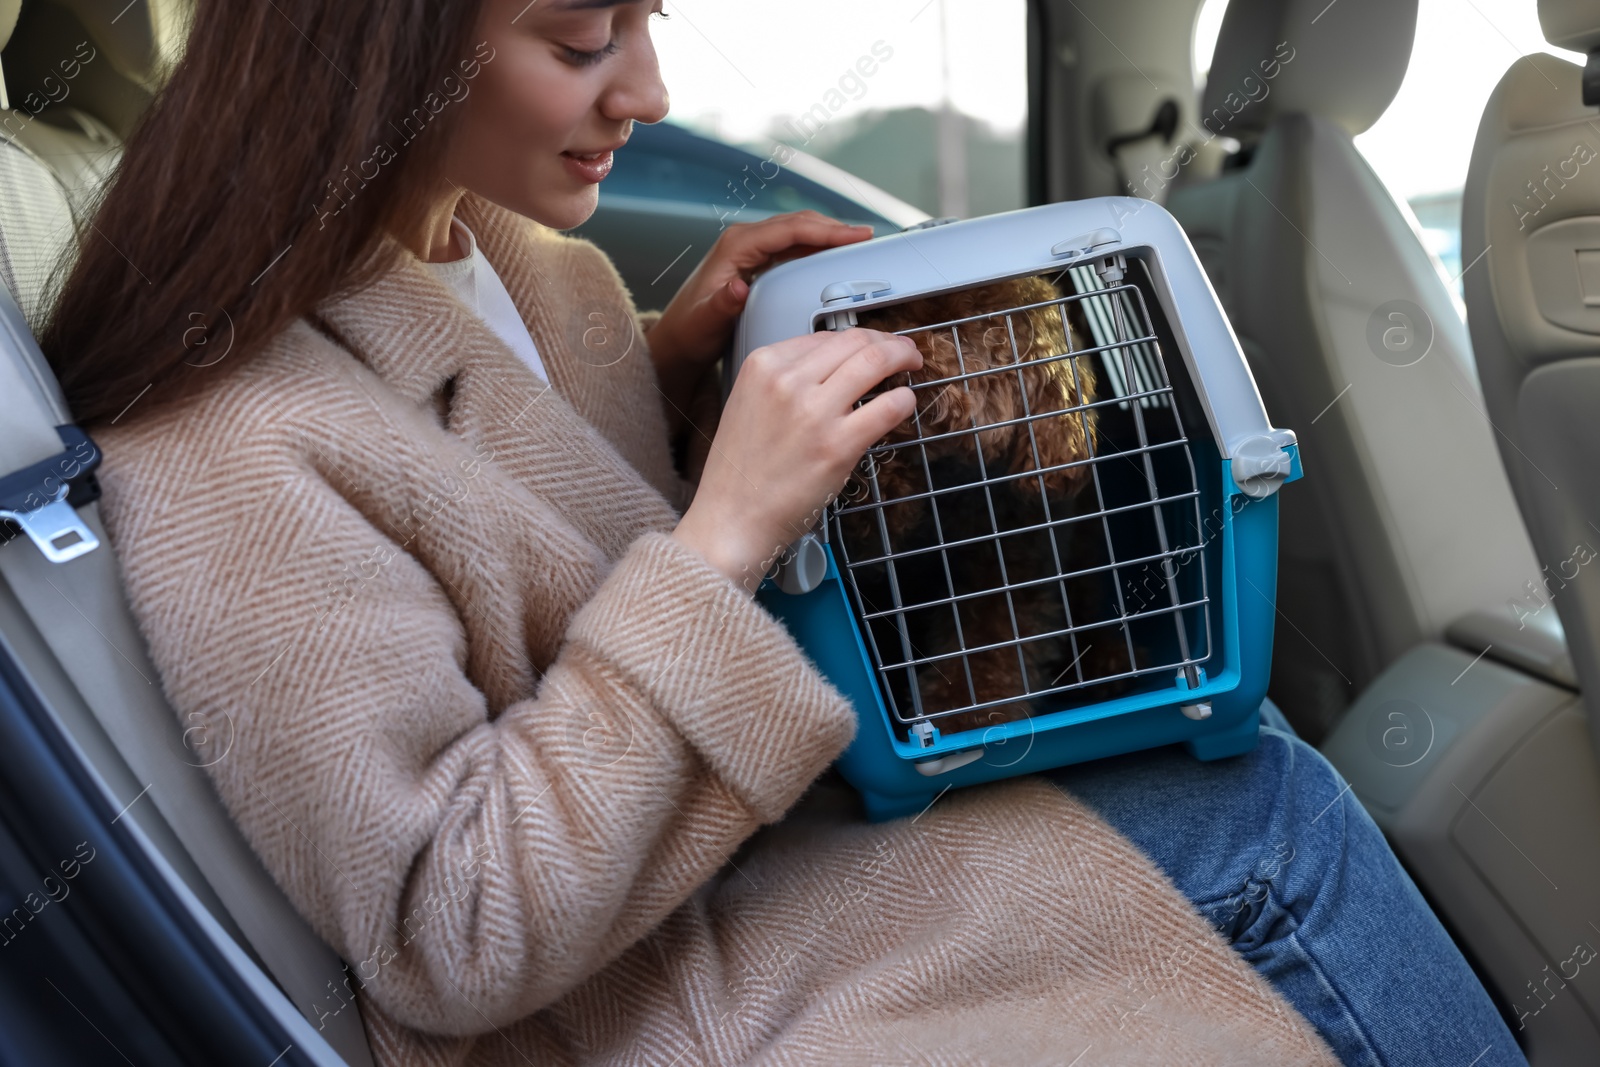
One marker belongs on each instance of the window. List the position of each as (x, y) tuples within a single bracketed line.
[(924, 99), (1421, 146)]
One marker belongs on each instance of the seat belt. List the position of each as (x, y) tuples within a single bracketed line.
[(63, 574)]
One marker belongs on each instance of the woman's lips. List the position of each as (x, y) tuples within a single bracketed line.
[(590, 167)]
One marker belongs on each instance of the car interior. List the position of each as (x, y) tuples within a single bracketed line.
[(1437, 622)]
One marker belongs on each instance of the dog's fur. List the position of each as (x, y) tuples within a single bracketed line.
[(1016, 503), (991, 398)]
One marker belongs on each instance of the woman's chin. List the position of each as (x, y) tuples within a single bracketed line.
[(566, 212)]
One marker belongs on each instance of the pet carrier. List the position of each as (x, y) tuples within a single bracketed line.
[(1070, 550)]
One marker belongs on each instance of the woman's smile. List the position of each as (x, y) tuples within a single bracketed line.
[(590, 166)]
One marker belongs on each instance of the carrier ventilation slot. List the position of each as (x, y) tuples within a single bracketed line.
[(1144, 361)]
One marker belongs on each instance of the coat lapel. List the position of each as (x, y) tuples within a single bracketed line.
[(574, 302), (412, 332)]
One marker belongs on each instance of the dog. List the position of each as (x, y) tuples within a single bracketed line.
[(954, 394)]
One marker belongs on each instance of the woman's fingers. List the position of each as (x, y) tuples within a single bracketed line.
[(754, 244), (790, 433), (795, 351), (833, 350), (873, 420), (701, 316), (869, 360)]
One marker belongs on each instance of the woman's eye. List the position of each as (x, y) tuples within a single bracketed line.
[(580, 58), (586, 59)]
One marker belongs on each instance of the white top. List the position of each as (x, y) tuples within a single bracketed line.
[(477, 285)]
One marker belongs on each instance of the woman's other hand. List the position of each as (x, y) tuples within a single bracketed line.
[(788, 439), (697, 324)]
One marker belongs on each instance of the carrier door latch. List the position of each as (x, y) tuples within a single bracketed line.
[(838, 302), (1085, 243), (930, 767), (923, 734), (1193, 678), (802, 566), (1260, 462)]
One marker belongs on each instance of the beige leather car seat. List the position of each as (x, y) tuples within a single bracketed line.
[(72, 93), (62, 612), (1404, 520), (1531, 209)]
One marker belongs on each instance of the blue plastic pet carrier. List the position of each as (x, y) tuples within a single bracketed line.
[(1001, 590)]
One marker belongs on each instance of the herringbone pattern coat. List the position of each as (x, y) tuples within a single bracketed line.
[(547, 781)]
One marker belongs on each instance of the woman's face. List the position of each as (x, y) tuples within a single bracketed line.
[(558, 92)]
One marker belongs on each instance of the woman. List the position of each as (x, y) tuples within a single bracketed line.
[(388, 469)]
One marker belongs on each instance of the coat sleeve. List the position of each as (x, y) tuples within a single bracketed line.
[(470, 868)]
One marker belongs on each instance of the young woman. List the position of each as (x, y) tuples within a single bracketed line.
[(388, 469)]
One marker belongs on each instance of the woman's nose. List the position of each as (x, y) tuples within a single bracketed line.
[(638, 93)]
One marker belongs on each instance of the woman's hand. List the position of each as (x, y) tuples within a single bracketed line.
[(788, 439), (697, 324)]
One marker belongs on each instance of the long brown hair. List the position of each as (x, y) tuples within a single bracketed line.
[(247, 194)]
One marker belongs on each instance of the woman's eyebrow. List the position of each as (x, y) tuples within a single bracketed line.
[(584, 5)]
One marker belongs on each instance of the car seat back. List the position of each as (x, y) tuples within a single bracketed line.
[(1531, 210), (1405, 521), (76, 77)]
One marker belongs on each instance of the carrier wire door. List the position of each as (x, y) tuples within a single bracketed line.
[(1123, 563)]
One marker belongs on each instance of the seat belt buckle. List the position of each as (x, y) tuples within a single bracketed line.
[(42, 498), (56, 529)]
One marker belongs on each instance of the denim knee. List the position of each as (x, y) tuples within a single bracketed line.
[(1298, 830), (1275, 850), (1221, 830)]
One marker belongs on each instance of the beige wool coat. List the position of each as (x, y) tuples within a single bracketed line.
[(552, 786)]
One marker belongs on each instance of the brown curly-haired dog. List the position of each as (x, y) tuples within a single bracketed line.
[(981, 405), (985, 400)]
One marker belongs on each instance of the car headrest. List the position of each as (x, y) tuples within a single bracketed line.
[(9, 10), (1342, 61), (129, 34), (1573, 24)]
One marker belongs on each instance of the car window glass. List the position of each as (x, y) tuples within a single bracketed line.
[(1421, 146), (924, 99)]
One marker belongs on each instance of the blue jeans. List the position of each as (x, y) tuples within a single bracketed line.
[(1275, 851)]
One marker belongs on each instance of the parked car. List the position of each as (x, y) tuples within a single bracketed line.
[(672, 191)]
